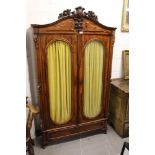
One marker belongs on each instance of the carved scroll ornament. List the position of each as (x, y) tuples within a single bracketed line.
[(78, 15)]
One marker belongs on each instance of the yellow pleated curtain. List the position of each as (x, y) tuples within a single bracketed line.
[(93, 69), (59, 80)]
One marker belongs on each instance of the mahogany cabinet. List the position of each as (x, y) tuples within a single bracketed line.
[(73, 69)]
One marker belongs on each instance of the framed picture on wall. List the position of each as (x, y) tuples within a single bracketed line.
[(125, 16)]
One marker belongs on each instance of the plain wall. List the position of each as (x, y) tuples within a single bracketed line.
[(109, 13)]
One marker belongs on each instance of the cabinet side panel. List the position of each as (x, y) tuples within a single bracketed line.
[(31, 58)]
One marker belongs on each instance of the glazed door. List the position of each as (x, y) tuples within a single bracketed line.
[(58, 80), (92, 77)]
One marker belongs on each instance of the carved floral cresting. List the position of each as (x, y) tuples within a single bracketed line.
[(78, 15)]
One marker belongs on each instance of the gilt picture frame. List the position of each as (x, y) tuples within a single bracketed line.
[(126, 64), (125, 16)]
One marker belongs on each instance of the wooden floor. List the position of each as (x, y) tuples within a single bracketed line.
[(99, 144)]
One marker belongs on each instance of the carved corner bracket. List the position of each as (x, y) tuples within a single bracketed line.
[(78, 15), (113, 38), (35, 39)]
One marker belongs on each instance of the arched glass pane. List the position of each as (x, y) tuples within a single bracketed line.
[(59, 81), (93, 69)]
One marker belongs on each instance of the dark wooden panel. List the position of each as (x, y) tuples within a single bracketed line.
[(54, 135)]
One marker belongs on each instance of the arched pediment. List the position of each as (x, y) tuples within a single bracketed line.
[(75, 21)]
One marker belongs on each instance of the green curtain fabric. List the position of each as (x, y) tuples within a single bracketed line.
[(59, 80), (93, 68)]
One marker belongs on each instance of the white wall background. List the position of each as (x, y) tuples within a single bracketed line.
[(109, 13)]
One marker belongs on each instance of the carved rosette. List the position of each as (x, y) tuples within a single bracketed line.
[(78, 15)]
